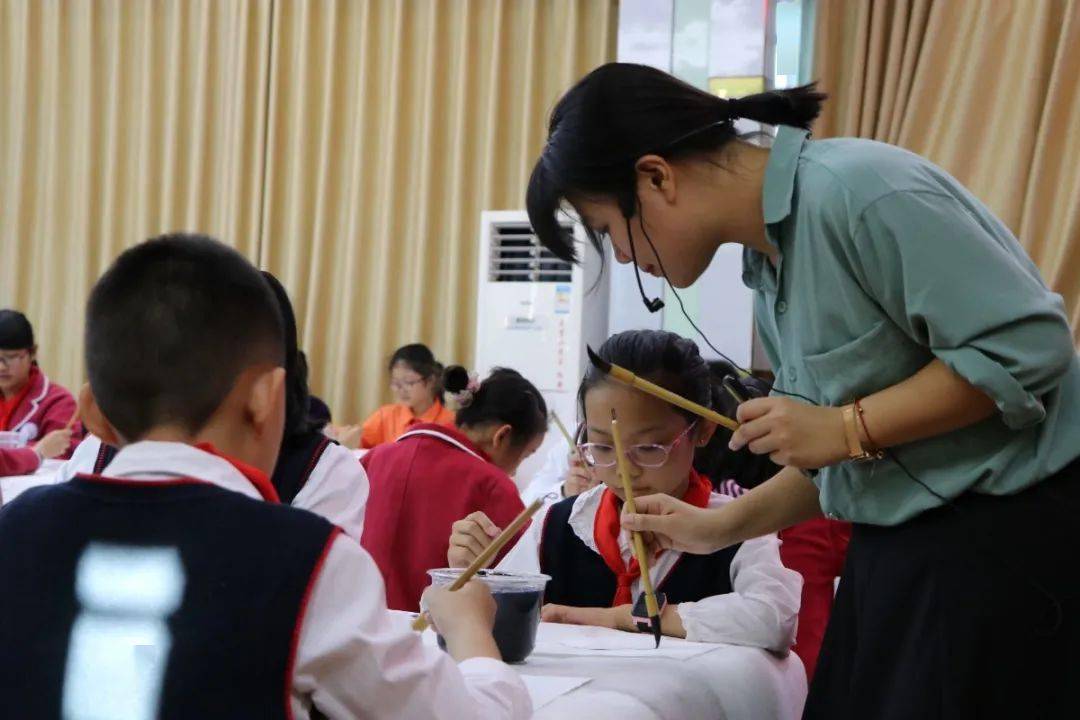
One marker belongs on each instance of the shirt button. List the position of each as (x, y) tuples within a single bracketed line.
[(781, 307), (832, 516), (792, 375)]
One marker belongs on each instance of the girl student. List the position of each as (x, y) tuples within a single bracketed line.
[(927, 388), (415, 378), (433, 475), (32, 406), (741, 594)]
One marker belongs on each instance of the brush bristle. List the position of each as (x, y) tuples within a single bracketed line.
[(598, 362)]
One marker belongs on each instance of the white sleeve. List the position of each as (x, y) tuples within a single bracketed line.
[(524, 557), (551, 475), (81, 461), (356, 659), (763, 609), (337, 489)]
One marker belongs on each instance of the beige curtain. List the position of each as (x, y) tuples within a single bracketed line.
[(121, 120), (392, 125), (347, 146), (985, 88)]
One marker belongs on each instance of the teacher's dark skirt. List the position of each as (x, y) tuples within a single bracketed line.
[(964, 612)]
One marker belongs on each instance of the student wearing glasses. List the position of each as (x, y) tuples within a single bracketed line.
[(741, 594), (416, 379), (32, 407)]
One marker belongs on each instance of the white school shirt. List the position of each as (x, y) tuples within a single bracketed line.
[(761, 611), (337, 488), (549, 479), (355, 659)]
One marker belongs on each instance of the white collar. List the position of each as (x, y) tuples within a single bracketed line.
[(152, 460), (432, 432), (34, 403), (583, 516)]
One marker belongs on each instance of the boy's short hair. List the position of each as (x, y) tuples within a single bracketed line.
[(169, 329)]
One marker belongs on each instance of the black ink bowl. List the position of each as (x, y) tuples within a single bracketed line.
[(518, 597)]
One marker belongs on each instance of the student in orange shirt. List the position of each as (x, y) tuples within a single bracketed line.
[(416, 379)]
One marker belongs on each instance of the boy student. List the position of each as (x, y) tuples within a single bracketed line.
[(177, 586), (312, 471)]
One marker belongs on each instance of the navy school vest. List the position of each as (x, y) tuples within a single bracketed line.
[(580, 578), (247, 567)]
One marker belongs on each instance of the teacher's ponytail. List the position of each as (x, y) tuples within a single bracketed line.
[(797, 107)]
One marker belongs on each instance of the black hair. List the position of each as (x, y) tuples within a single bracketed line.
[(419, 358), (170, 327), (669, 360), (16, 332), (716, 460), (318, 412), (296, 369), (504, 397), (622, 111), (673, 362)]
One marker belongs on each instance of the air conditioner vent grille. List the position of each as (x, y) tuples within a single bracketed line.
[(517, 256)]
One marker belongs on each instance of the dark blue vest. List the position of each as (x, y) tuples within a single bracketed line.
[(580, 578), (247, 567)]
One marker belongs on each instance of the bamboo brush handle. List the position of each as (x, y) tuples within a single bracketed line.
[(421, 623)]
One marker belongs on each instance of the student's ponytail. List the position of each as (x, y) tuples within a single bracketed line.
[(620, 112), (503, 398), (716, 460)]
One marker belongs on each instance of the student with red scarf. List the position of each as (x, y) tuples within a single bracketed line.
[(741, 595), (31, 405)]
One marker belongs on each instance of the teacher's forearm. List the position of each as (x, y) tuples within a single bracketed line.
[(785, 499), (932, 402)]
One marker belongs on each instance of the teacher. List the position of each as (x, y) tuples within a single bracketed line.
[(927, 387)]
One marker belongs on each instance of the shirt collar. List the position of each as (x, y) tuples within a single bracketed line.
[(452, 434), (780, 173), (432, 413), (776, 193), (152, 460)]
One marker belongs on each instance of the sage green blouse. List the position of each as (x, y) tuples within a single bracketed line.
[(886, 262)]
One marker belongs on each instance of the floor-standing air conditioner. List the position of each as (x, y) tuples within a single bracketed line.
[(535, 313)]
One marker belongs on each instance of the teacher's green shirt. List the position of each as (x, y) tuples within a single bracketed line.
[(887, 262)]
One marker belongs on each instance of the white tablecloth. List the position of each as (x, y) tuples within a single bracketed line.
[(727, 682), (14, 485)]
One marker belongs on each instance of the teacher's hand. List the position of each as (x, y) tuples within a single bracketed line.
[(791, 433), (668, 523)]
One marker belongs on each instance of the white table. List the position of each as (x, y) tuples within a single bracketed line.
[(726, 682), (14, 485)]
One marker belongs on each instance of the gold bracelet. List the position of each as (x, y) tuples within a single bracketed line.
[(856, 451)]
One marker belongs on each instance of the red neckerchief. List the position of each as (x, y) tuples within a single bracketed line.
[(606, 534), (8, 407), (255, 476)]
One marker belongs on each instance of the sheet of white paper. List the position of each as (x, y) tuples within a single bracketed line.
[(554, 639), (545, 688)]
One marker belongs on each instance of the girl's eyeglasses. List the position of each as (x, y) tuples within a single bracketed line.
[(9, 359), (650, 455)]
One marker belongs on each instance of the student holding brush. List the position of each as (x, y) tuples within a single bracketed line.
[(741, 594), (433, 475), (928, 388)]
